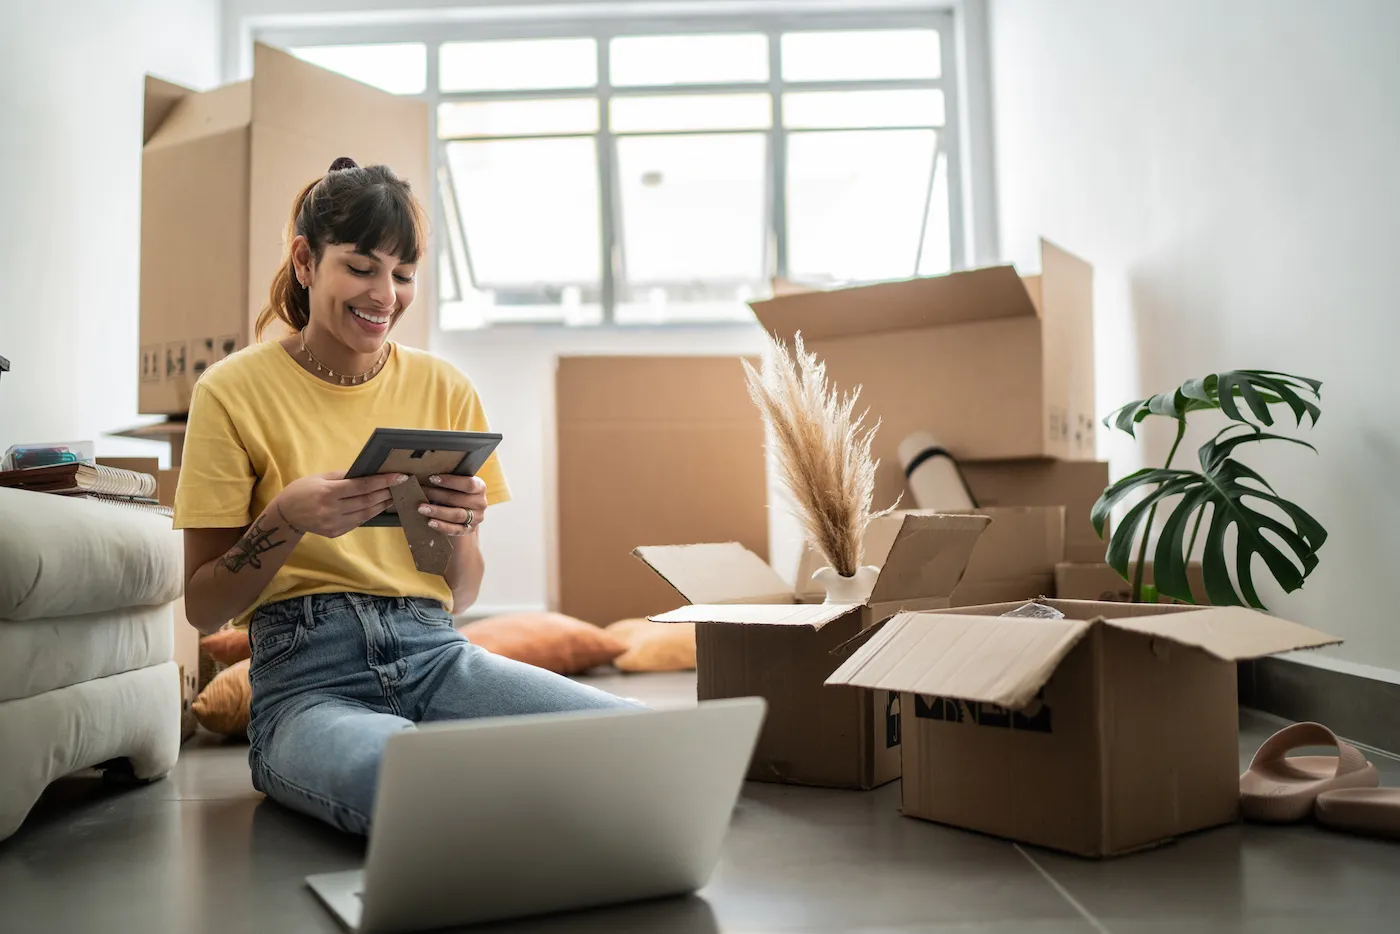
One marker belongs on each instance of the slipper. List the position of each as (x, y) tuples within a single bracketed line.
[(1282, 789), (1374, 812)]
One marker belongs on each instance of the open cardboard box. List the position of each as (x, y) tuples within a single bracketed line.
[(756, 637), (1108, 731), (219, 171), (996, 365), (1014, 558), (1075, 485)]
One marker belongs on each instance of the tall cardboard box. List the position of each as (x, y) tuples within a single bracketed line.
[(994, 364), (756, 637), (219, 172), (1075, 485), (1014, 559), (1111, 730), (661, 450)]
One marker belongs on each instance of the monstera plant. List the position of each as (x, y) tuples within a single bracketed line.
[(1224, 491)]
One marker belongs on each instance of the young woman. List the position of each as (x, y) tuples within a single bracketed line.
[(350, 642)]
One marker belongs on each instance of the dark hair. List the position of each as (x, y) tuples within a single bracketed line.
[(370, 207)]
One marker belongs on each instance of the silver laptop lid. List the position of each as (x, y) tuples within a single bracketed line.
[(514, 816)]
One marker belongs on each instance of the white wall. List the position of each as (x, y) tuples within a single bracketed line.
[(1230, 170), (70, 158)]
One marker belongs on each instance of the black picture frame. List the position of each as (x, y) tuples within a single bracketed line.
[(432, 451)]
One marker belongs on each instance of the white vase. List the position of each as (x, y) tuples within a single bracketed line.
[(854, 589)]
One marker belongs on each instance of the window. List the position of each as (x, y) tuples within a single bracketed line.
[(645, 174)]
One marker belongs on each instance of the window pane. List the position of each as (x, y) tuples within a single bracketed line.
[(529, 209), (692, 226), (861, 54), (819, 110), (691, 112), (936, 257), (399, 68), (518, 64), (518, 118), (856, 203), (661, 60)]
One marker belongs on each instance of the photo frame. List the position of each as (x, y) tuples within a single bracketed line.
[(421, 453)]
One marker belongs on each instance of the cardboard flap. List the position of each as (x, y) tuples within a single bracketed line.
[(311, 101), (716, 573), (160, 431), (198, 116), (1001, 660), (928, 556), (1232, 634), (955, 298), (811, 615), (161, 98)]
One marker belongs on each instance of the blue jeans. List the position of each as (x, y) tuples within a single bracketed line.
[(335, 675)]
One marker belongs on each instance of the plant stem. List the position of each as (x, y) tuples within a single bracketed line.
[(1191, 548), (1151, 514)]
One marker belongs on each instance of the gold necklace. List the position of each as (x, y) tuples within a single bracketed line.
[(344, 379)]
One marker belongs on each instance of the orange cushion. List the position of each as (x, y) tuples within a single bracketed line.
[(227, 646), (222, 707), (552, 641), (655, 646)]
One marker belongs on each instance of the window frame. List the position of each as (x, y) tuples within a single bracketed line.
[(434, 34)]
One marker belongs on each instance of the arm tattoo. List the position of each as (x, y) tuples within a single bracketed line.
[(247, 553)]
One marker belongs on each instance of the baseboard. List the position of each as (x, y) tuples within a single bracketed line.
[(1359, 702)]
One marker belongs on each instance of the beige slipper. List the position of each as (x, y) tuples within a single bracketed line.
[(1282, 789), (1374, 812)]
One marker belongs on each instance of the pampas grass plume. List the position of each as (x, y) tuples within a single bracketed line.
[(821, 449)]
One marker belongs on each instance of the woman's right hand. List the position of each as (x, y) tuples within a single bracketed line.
[(329, 505)]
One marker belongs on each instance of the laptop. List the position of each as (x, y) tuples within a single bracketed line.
[(503, 818)]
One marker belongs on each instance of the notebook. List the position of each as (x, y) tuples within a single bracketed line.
[(80, 478)]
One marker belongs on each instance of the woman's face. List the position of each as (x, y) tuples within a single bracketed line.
[(357, 298)]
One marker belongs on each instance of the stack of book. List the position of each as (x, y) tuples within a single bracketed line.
[(110, 485)]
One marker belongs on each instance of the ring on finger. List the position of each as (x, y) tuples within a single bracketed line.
[(470, 520)]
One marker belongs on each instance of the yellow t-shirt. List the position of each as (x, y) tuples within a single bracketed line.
[(258, 421)]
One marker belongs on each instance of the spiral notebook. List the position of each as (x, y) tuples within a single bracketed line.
[(80, 478)]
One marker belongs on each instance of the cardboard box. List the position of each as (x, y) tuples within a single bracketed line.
[(756, 637), (172, 431), (1076, 485), (1101, 582), (662, 450), (995, 365), (219, 172), (166, 482), (1099, 734), (1015, 557)]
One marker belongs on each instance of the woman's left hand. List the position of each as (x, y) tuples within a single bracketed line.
[(456, 505)]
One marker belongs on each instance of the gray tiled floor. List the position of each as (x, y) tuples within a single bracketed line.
[(202, 852)]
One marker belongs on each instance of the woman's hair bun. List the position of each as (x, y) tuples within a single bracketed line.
[(344, 162)]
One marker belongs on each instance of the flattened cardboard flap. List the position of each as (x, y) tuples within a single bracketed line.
[(716, 573), (928, 556), (1002, 660), (1232, 634), (811, 615), (935, 301)]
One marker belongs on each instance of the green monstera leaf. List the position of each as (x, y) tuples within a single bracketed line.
[(1228, 492), (1257, 389)]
